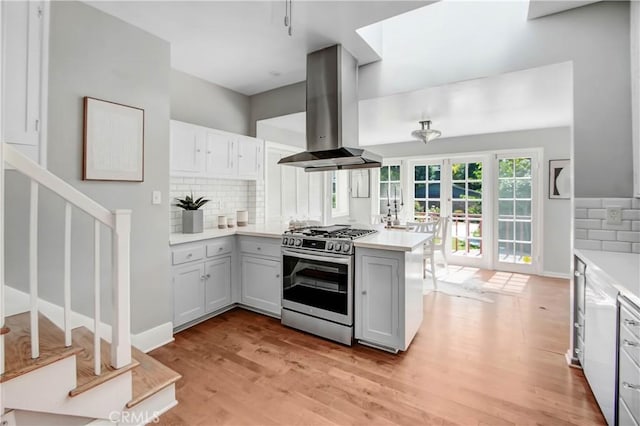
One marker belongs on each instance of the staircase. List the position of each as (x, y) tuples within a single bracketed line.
[(54, 372)]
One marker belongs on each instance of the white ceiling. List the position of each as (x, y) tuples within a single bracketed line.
[(244, 46), (540, 8), (530, 99)]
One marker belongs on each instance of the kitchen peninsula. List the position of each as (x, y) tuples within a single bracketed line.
[(220, 269)]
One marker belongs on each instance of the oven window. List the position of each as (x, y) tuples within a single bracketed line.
[(318, 284)]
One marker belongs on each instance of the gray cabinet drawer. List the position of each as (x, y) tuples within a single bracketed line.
[(220, 247), (629, 384), (187, 255), (629, 343), (629, 320), (624, 416), (260, 247)]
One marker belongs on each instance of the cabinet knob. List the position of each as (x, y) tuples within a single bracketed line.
[(364, 292), (190, 255), (631, 322), (277, 275), (259, 248), (220, 248), (578, 350), (202, 278), (577, 325), (208, 152), (578, 274), (626, 342), (197, 150), (208, 275)]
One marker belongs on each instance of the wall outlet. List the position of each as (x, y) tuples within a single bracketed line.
[(614, 215)]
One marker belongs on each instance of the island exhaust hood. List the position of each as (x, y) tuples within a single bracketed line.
[(332, 115)]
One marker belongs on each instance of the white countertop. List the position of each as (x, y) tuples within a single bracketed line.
[(395, 240), (622, 270), (257, 230)]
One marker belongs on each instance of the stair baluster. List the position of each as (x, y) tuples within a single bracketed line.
[(33, 269), (67, 274), (96, 298)]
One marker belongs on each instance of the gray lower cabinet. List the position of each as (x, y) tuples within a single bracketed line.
[(629, 365), (188, 293), (217, 289), (378, 297), (261, 283)]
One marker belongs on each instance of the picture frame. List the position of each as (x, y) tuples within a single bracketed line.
[(113, 141), (559, 179), (360, 183)]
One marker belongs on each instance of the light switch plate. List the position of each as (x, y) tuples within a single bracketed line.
[(614, 215), (156, 197)]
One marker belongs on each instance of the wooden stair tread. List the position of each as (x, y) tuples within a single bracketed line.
[(86, 378), (17, 345), (150, 377)]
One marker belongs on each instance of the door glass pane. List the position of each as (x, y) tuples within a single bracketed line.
[(394, 173), (458, 171), (505, 209), (466, 209), (515, 220), (384, 190), (384, 173), (426, 191)]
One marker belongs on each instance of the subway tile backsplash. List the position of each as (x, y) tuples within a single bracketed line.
[(593, 232), (226, 195)]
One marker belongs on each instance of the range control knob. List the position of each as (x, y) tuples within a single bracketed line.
[(285, 241), (298, 243), (330, 246), (338, 246), (346, 247)]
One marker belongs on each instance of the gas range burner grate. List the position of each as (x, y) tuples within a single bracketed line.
[(331, 232), (352, 234)]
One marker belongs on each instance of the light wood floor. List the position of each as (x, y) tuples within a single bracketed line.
[(472, 363)]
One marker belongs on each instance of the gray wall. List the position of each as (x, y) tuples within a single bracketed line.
[(556, 143), (197, 101), (594, 37), (274, 103), (94, 54)]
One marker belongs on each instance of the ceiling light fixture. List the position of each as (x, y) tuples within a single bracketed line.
[(288, 15), (426, 134)]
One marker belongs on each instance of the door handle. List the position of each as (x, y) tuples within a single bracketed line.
[(631, 322), (626, 342)]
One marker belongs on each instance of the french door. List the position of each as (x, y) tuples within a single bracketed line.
[(455, 188), (517, 221)]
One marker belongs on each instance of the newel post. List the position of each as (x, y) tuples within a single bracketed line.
[(121, 326)]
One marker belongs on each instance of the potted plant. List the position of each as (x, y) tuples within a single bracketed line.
[(192, 217)]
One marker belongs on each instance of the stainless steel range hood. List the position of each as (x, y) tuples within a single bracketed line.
[(332, 115)]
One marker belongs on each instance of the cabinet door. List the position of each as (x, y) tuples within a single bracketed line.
[(249, 158), (378, 291), (187, 149), (218, 284), (221, 154), (261, 283), (188, 293), (22, 54)]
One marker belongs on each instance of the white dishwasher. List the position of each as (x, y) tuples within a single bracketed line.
[(601, 324)]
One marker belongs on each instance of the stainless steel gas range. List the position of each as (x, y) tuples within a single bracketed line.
[(317, 280)]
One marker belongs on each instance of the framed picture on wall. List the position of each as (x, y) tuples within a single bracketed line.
[(559, 180), (113, 141)]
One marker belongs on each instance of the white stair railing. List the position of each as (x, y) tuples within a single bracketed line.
[(119, 221)]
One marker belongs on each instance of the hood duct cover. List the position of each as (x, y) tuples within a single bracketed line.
[(332, 115)]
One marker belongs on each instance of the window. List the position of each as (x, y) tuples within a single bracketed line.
[(339, 182), (426, 191), (389, 189), (466, 208)]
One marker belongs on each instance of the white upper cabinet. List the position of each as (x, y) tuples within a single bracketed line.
[(203, 152), (250, 157), (187, 145), (221, 154), (24, 62)]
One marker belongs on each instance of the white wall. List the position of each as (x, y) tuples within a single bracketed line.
[(556, 142), (455, 41), (95, 54)]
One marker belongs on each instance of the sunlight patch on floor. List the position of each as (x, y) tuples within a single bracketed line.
[(508, 282), (505, 282)]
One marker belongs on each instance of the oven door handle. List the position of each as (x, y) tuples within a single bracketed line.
[(330, 259)]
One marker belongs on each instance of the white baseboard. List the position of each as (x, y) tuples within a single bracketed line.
[(551, 274), (153, 338), (17, 301)]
